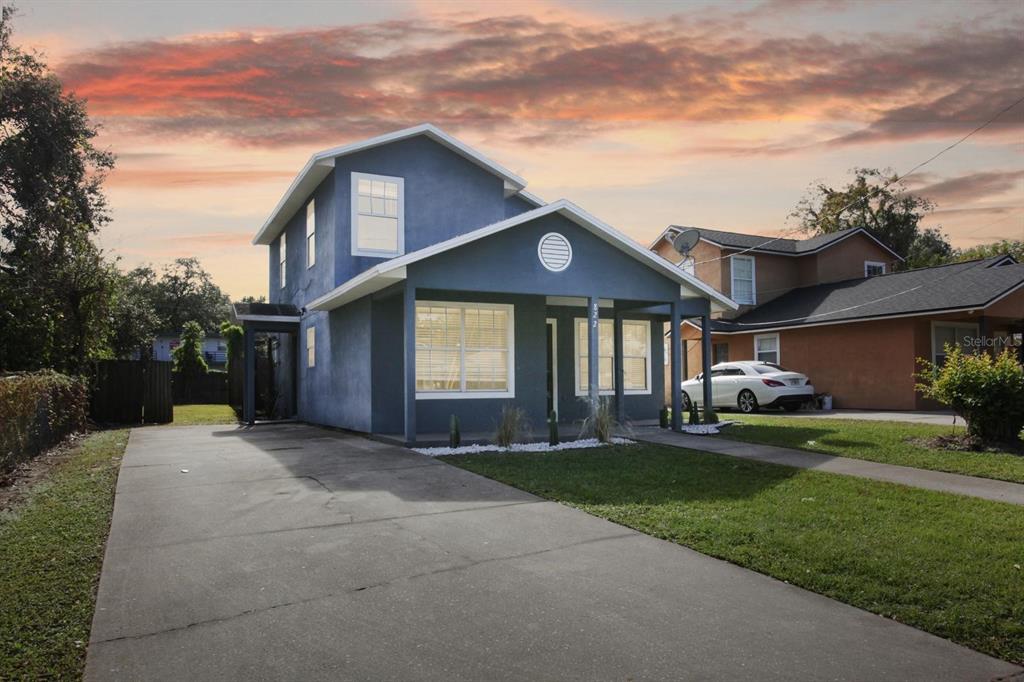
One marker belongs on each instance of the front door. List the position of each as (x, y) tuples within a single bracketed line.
[(552, 365)]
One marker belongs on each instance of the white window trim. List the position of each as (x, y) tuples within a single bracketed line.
[(952, 325), (282, 258), (753, 278), (778, 347), (354, 215), (869, 263), (310, 346), (311, 233), (474, 395), (576, 358)]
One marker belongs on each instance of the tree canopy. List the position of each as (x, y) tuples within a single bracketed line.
[(54, 281), (880, 202), (62, 300)]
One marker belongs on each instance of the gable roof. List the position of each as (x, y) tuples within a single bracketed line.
[(759, 243), (970, 285), (321, 163), (384, 274)]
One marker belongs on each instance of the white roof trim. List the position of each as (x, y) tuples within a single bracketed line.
[(321, 163), (385, 274)]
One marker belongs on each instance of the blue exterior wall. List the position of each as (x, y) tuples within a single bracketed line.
[(445, 196), (572, 407), (303, 284), (507, 262)]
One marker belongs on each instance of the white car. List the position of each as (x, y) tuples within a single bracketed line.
[(749, 386)]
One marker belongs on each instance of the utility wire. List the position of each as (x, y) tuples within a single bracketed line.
[(895, 179)]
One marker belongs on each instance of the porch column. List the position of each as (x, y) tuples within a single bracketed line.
[(249, 396), (593, 365), (409, 366), (620, 406), (705, 356), (677, 389)]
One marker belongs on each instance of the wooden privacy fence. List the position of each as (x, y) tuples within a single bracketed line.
[(203, 389), (132, 392)]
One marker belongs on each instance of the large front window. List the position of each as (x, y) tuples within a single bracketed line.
[(378, 215), (636, 357), (464, 350)]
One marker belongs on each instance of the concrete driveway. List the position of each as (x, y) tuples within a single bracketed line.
[(291, 552)]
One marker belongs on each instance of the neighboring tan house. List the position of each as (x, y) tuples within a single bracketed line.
[(412, 279), (832, 308)]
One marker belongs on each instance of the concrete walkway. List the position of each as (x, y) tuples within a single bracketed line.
[(938, 418), (291, 552), (987, 488)]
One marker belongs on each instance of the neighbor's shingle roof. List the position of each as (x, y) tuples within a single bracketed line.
[(972, 284), (762, 243)]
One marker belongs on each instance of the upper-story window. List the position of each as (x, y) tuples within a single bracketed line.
[(743, 287), (872, 268), (311, 233), (282, 256), (378, 215)]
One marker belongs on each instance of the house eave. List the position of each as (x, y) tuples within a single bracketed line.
[(321, 163)]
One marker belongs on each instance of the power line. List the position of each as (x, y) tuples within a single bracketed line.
[(895, 179)]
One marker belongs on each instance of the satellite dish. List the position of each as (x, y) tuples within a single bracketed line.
[(686, 240)]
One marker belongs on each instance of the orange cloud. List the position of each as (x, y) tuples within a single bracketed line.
[(540, 81)]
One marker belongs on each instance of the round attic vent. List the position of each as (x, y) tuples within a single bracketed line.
[(554, 252)]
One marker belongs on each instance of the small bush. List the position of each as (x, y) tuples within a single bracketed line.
[(510, 425), (37, 411), (694, 415), (553, 428), (988, 393), (454, 435), (601, 423), (664, 417)]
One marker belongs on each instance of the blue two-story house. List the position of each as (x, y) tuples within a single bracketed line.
[(412, 278)]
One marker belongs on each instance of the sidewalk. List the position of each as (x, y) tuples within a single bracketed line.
[(986, 488), (939, 418)]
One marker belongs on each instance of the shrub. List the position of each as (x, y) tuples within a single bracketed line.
[(454, 435), (988, 393), (189, 363), (37, 411), (601, 423), (553, 428), (664, 417), (511, 423), (694, 415)]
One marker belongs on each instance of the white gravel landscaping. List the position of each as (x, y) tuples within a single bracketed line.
[(521, 447)]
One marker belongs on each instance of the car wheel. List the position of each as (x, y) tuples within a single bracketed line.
[(747, 402), (791, 407), (686, 402)]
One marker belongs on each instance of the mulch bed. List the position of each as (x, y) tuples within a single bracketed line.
[(961, 442)]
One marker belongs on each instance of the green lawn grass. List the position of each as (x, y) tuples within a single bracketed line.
[(51, 551), (878, 441), (194, 415), (950, 565)]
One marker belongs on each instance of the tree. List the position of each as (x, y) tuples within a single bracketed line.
[(54, 282), (133, 319), (1012, 247), (188, 357), (929, 248), (184, 292), (879, 202)]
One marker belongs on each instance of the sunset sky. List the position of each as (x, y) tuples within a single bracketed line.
[(644, 113)]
